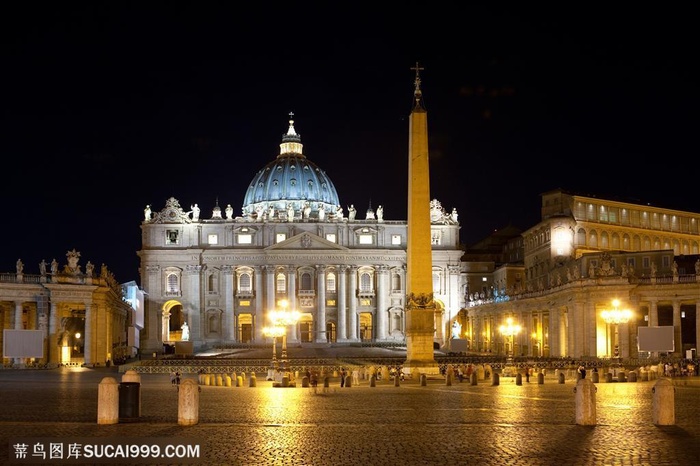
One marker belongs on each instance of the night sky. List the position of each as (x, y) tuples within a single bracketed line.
[(109, 106)]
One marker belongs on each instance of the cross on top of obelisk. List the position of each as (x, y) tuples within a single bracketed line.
[(417, 93)]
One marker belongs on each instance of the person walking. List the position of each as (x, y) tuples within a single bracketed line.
[(342, 376)]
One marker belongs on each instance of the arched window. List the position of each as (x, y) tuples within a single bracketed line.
[(173, 283), (365, 283), (244, 282), (330, 282), (306, 283), (281, 283)]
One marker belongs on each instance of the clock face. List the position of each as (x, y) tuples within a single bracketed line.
[(172, 215)]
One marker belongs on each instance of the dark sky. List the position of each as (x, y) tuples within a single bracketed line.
[(109, 106)]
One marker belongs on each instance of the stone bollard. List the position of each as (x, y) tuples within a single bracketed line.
[(348, 380), (608, 377), (540, 378), (327, 382), (133, 376), (239, 381), (585, 402), (188, 403), (108, 401), (253, 381), (285, 381), (304, 382), (227, 380), (473, 378), (206, 379), (423, 380), (595, 377), (561, 377), (219, 380), (621, 377), (396, 380), (495, 379), (372, 381), (633, 376), (663, 403), (234, 379), (518, 379), (448, 379)]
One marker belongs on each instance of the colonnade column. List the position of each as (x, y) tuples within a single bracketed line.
[(89, 343), (352, 309), (677, 338), (227, 320), (293, 302), (382, 291), (259, 322), (342, 334), (653, 313), (270, 303), (321, 304), (697, 326), (54, 324), (194, 306), (18, 324)]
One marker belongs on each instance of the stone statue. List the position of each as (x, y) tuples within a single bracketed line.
[(456, 329), (352, 212), (454, 215), (42, 267), (185, 332), (674, 268), (89, 267), (339, 213), (147, 213), (697, 267), (653, 269), (20, 266), (195, 212), (591, 270), (380, 213), (321, 213), (229, 212), (54, 267), (307, 210), (290, 212)]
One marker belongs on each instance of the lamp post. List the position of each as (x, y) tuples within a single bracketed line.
[(616, 316), (509, 330), (274, 332), (283, 318)]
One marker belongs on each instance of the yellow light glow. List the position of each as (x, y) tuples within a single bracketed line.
[(616, 315), (509, 329)]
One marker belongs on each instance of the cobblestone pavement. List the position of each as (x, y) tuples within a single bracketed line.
[(507, 424)]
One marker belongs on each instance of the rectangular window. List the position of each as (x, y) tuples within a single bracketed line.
[(365, 302), (330, 237), (213, 239), (631, 262), (646, 262), (244, 303), (435, 237), (171, 237), (666, 261), (245, 239), (281, 237), (330, 302), (396, 240), (365, 239)]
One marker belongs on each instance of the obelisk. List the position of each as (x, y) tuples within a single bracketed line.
[(420, 306)]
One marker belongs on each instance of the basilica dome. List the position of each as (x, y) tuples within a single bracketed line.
[(291, 181)]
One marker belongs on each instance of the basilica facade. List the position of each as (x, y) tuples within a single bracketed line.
[(295, 245)]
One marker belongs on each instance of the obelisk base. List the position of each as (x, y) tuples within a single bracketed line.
[(420, 356)]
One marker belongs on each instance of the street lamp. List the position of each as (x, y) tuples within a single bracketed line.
[(283, 318), (616, 316), (509, 330), (274, 332)]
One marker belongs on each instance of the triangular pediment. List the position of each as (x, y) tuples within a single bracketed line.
[(306, 240)]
